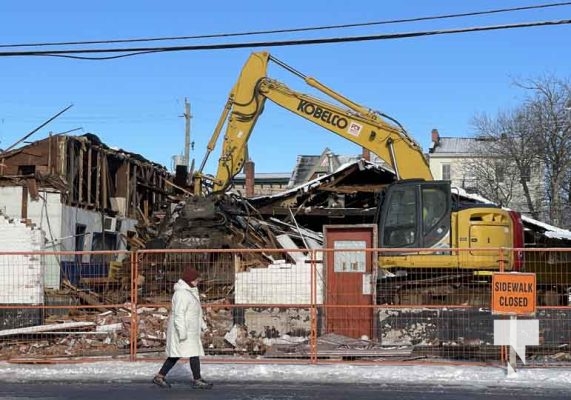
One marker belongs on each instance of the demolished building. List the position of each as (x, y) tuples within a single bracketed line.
[(69, 194), (292, 219)]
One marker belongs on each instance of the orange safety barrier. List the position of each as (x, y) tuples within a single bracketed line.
[(279, 305)]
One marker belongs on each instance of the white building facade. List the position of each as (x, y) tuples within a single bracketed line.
[(52, 226), (451, 158)]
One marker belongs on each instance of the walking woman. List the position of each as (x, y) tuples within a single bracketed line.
[(183, 331)]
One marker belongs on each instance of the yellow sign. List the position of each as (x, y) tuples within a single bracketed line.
[(513, 293)]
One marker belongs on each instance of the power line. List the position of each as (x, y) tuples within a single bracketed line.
[(292, 30), (299, 42)]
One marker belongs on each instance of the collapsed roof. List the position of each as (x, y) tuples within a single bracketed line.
[(349, 194)]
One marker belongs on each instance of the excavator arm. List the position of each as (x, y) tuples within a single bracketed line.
[(413, 213), (358, 124)]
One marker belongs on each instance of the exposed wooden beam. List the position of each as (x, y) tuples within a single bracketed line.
[(80, 180), (89, 166), (98, 179), (325, 212)]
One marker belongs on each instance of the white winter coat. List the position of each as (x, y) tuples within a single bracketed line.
[(185, 322)]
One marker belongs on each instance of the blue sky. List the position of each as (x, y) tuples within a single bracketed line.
[(136, 103)]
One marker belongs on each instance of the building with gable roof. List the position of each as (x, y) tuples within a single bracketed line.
[(449, 158)]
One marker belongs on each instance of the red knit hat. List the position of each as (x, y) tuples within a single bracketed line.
[(190, 274)]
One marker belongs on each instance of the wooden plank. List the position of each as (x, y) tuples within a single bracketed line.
[(104, 180), (178, 187), (128, 189), (88, 192), (80, 180), (131, 200), (45, 328), (32, 186), (62, 156), (99, 280), (97, 179), (24, 205), (87, 297)]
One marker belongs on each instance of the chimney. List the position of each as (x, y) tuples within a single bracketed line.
[(366, 154), (249, 168), (435, 136)]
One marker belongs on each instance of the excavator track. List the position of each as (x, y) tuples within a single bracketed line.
[(462, 289), (446, 289)]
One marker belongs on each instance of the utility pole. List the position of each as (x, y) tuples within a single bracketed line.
[(187, 118)]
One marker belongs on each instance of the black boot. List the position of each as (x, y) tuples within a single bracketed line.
[(160, 381), (201, 384)]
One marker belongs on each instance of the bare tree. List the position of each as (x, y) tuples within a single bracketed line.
[(531, 145), (504, 155), (549, 119)]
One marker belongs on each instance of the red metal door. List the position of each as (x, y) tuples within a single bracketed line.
[(350, 281)]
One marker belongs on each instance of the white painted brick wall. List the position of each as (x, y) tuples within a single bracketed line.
[(20, 275), (280, 283)]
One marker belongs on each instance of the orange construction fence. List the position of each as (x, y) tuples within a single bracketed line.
[(281, 305)]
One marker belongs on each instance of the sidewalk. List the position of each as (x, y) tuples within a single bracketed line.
[(143, 371)]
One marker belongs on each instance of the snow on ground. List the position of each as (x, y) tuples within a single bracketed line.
[(433, 375)]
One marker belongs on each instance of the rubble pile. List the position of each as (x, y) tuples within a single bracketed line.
[(83, 334), (222, 221), (214, 222), (104, 327), (88, 334)]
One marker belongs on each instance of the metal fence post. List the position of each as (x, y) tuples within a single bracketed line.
[(134, 299), (313, 310)]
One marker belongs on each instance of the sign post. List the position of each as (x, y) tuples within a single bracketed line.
[(514, 294)]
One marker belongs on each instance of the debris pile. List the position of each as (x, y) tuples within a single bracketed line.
[(88, 334), (223, 221), (104, 326)]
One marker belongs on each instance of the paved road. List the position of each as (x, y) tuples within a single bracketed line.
[(266, 391)]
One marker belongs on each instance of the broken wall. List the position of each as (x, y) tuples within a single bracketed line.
[(277, 285), (45, 212), (280, 283), (21, 280)]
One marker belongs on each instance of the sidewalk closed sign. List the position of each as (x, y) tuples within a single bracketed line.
[(513, 293)]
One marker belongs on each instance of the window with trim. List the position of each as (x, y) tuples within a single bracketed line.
[(500, 173), (446, 172), (80, 231)]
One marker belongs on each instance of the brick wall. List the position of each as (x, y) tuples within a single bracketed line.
[(20, 275)]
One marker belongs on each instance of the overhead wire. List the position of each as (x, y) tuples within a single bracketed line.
[(296, 42), (293, 30)]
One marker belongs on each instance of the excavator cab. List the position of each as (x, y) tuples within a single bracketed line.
[(416, 214)]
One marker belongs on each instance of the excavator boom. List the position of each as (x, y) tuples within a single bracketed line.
[(415, 212), (355, 123)]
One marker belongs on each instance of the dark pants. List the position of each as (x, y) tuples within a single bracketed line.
[(171, 361)]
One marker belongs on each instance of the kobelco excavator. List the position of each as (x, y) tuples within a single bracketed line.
[(416, 212)]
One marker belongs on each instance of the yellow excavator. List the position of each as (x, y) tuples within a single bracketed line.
[(416, 212)]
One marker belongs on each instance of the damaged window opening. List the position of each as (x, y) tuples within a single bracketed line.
[(26, 169), (103, 241)]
